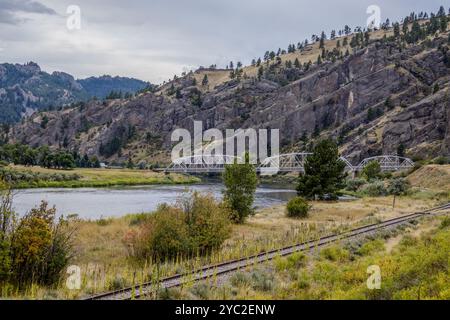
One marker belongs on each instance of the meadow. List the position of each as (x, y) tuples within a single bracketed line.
[(105, 263), (103, 255)]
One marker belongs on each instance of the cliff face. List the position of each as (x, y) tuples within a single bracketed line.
[(371, 102), (26, 88)]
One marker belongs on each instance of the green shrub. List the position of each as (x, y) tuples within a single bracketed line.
[(261, 280), (196, 224), (375, 189), (103, 222), (445, 223), (335, 254), (441, 160), (201, 290), (169, 294), (372, 170), (294, 261), (354, 184), (14, 177), (138, 218), (117, 283), (240, 279), (297, 208), (371, 247), (398, 186)]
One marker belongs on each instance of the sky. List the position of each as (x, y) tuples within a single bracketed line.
[(153, 40)]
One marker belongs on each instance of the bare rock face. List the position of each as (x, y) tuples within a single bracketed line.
[(372, 102)]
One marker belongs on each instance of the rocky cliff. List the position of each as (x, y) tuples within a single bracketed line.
[(26, 88), (384, 98)]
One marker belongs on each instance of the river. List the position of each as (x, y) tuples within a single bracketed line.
[(89, 203)]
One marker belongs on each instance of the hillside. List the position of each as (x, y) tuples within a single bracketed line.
[(26, 88), (434, 177), (101, 87), (384, 94)]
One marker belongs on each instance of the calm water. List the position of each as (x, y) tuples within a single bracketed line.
[(113, 202)]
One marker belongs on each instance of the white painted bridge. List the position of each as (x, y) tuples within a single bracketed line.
[(292, 162)]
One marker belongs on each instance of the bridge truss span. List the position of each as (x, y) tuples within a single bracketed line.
[(202, 164), (388, 163), (291, 162)]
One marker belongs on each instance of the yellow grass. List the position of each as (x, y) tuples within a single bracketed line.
[(433, 177), (218, 77), (99, 244)]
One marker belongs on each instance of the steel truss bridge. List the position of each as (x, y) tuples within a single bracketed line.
[(292, 162)]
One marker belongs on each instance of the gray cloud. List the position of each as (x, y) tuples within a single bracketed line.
[(10, 8), (153, 40)]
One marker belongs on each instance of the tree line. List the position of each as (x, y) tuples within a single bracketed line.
[(20, 154)]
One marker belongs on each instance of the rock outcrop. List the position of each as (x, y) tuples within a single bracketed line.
[(372, 102)]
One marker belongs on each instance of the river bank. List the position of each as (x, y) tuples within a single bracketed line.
[(38, 177)]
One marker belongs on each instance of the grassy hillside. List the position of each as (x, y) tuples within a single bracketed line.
[(433, 177), (310, 53)]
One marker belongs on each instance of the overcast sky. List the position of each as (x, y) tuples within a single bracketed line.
[(155, 39)]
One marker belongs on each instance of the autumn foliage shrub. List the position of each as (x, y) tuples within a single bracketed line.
[(35, 248), (195, 225)]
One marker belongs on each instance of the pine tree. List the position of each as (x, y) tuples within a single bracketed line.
[(205, 80), (324, 172), (396, 30), (322, 40), (319, 60), (333, 34), (260, 72), (444, 23), (297, 63)]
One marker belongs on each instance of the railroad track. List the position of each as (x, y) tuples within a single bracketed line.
[(224, 268)]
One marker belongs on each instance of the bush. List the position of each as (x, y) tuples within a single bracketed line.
[(13, 176), (375, 189), (297, 208), (36, 249), (262, 281), (372, 170), (445, 223), (371, 247), (335, 254), (398, 186), (196, 224), (354, 184), (441, 160), (240, 279)]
